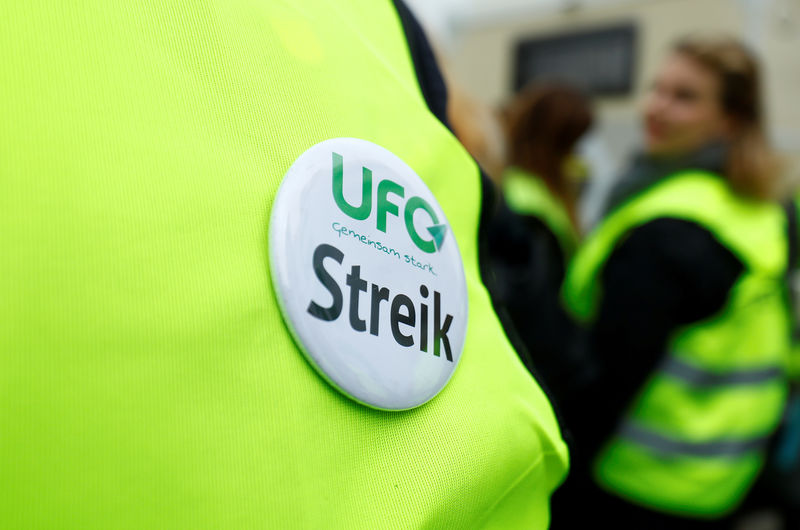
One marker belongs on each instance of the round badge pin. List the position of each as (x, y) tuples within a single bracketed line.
[(368, 275)]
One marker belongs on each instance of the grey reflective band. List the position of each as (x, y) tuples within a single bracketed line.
[(691, 374), (712, 448)]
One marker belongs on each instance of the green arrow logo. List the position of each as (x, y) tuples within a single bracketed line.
[(438, 232)]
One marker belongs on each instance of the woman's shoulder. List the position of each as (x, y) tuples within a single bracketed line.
[(675, 239), (675, 254)]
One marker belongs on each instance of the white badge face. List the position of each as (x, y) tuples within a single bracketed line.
[(368, 274)]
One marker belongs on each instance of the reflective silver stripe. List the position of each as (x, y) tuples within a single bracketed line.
[(663, 444), (695, 376)]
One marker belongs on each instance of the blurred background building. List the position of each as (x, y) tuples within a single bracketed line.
[(489, 48)]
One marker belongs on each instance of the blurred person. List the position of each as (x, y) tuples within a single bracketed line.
[(478, 127), (780, 487), (681, 290), (158, 291), (544, 123), (533, 231), (792, 210)]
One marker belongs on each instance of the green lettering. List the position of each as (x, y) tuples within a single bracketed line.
[(361, 212), (385, 187), (414, 204)]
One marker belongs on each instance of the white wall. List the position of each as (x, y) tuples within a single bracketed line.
[(476, 40)]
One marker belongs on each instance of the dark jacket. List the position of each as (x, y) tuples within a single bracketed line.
[(525, 267)]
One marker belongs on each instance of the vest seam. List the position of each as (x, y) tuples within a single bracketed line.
[(517, 481)]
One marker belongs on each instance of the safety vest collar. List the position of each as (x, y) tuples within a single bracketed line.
[(527, 194), (747, 227)]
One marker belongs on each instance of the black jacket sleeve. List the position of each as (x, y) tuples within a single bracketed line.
[(429, 77), (524, 272), (534, 270), (667, 273)]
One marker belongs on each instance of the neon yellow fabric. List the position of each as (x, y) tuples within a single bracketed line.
[(527, 194), (747, 228), (694, 438), (147, 378)]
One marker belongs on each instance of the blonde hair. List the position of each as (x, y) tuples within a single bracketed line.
[(752, 167)]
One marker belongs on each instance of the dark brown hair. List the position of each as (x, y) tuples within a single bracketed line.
[(752, 167), (543, 124)]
